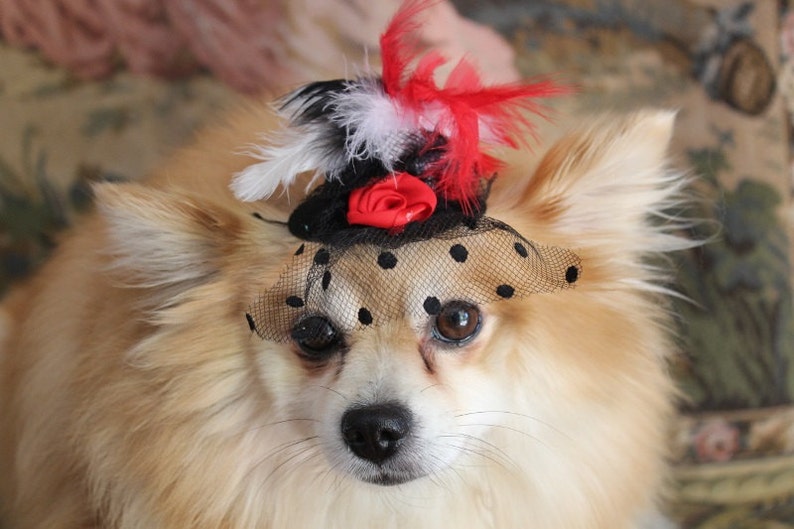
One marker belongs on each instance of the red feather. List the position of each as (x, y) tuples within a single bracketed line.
[(398, 42), (463, 108)]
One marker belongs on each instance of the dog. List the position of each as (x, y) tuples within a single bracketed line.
[(134, 394)]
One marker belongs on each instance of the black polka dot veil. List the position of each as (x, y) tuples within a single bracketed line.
[(361, 285)]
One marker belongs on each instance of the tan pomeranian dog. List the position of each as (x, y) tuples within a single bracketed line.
[(134, 395)]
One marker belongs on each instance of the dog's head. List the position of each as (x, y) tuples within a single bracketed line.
[(553, 391)]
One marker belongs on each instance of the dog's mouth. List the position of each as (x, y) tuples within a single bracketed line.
[(389, 478), (401, 468)]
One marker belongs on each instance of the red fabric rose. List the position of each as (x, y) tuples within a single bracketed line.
[(392, 202)]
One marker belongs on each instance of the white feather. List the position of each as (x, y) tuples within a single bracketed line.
[(376, 125), (294, 151)]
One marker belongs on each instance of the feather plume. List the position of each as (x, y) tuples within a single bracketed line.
[(335, 128)]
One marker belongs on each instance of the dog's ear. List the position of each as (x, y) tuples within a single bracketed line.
[(160, 239), (602, 184)]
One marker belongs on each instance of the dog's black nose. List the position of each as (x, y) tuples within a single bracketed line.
[(376, 432)]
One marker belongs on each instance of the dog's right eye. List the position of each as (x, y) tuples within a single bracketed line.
[(317, 338), (457, 323)]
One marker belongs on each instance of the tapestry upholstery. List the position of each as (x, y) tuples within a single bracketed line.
[(728, 67)]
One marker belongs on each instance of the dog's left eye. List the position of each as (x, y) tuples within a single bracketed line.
[(317, 338), (458, 322)]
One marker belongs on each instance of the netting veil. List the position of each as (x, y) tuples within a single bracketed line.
[(365, 284)]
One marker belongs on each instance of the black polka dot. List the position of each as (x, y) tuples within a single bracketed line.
[(326, 279), (387, 260), (459, 253), (520, 249), (505, 291), (364, 316), (251, 322), (300, 249), (572, 274), (432, 305), (322, 257), (294, 301)]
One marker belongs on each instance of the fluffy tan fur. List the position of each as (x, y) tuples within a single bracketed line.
[(133, 394)]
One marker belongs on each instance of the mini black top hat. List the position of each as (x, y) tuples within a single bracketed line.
[(405, 179)]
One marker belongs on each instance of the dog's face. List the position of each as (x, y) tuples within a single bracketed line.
[(401, 400), (558, 394)]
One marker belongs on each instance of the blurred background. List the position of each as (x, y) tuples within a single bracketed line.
[(95, 90)]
